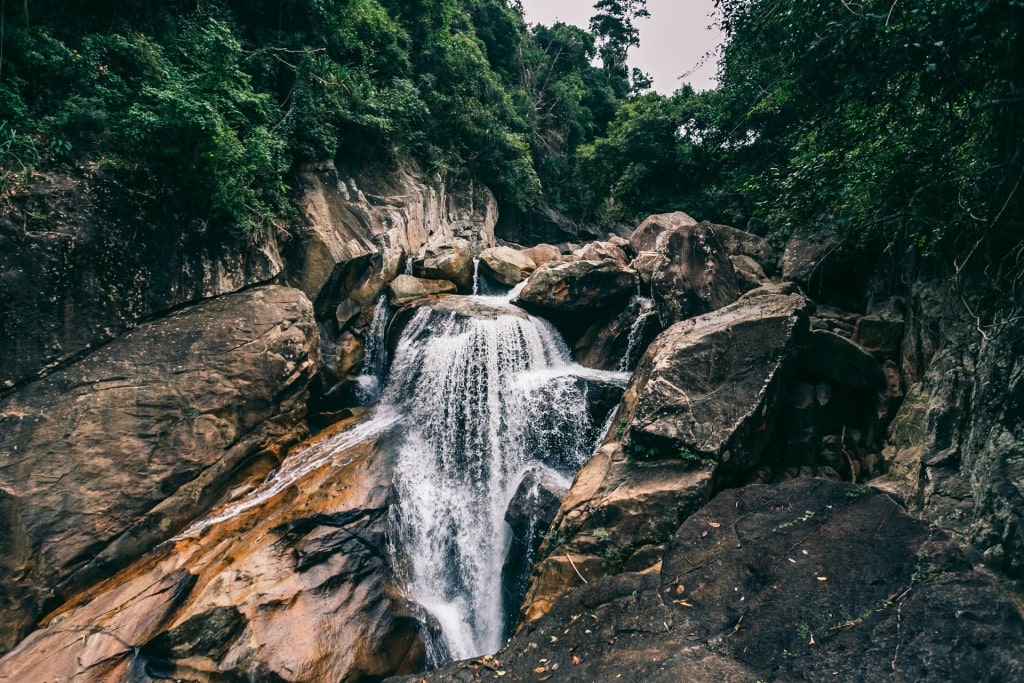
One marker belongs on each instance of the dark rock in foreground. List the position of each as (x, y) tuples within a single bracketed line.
[(810, 580)]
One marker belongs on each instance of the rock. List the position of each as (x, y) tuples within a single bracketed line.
[(506, 265), (541, 224), (405, 289), (749, 274), (615, 342), (529, 515), (143, 435), (362, 222), (646, 263), (452, 262), (599, 251), (809, 580), (289, 583), (76, 273), (842, 361), (645, 237), (828, 269), (543, 253), (578, 286), (702, 406), (739, 243), (881, 333), (697, 276), (623, 244)]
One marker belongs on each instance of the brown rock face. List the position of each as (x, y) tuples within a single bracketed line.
[(291, 584), (696, 275), (76, 273), (646, 234), (405, 289), (598, 251), (453, 262), (507, 265), (702, 405), (578, 286), (806, 581), (113, 454)]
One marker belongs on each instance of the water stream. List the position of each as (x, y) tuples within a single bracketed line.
[(485, 397)]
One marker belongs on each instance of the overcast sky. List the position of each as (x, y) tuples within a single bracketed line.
[(673, 41)]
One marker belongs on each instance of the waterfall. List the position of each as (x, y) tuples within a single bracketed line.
[(642, 308), (476, 276), (408, 265), (375, 354), (484, 396)]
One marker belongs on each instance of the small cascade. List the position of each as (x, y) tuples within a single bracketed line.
[(485, 396), (476, 276), (375, 354), (640, 308), (408, 265)]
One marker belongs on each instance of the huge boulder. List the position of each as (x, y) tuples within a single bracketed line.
[(405, 289), (645, 237), (696, 275), (742, 243), (289, 583), (842, 361), (599, 251), (578, 286), (115, 453), (806, 581), (702, 406), (507, 265), (453, 262)]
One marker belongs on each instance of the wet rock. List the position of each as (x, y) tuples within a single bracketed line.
[(616, 341), (702, 406), (645, 237), (578, 286), (290, 584), (115, 453), (529, 516), (696, 277), (506, 265), (452, 262), (842, 361), (807, 580), (405, 289)]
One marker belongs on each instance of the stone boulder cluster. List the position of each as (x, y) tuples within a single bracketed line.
[(814, 473)]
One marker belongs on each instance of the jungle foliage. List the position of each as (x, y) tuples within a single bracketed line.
[(896, 122)]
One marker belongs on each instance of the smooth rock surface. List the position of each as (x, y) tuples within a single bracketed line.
[(291, 583), (453, 262), (599, 251), (842, 361), (645, 237), (115, 453), (507, 265), (405, 289), (696, 275), (578, 286)]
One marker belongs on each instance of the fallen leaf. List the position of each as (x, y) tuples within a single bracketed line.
[(714, 525), (683, 603), (822, 578), (791, 560), (680, 589), (554, 639), (540, 669), (575, 660), (544, 678)]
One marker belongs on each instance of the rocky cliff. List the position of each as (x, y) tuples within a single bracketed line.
[(153, 522)]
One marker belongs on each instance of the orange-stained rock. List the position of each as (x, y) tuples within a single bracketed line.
[(291, 584), (113, 454)]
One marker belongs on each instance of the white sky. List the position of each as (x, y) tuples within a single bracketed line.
[(672, 42)]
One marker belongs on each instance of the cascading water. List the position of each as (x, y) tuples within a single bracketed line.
[(375, 354), (641, 308), (483, 400), (476, 276)]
